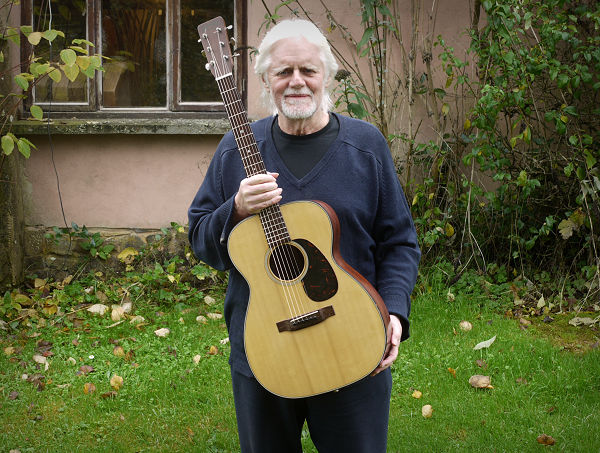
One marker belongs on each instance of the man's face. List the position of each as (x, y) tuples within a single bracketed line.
[(296, 78)]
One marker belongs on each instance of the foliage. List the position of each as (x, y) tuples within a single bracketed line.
[(92, 242), (512, 178), (74, 58)]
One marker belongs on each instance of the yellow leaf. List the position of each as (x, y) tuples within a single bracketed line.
[(213, 350), (119, 351), (9, 350), (417, 394), (128, 255), (88, 388), (449, 230), (427, 411), (34, 38), (116, 382), (467, 124), (445, 109)]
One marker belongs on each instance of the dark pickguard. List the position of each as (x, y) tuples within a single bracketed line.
[(320, 282)]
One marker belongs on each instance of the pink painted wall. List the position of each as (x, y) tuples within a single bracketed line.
[(116, 181)]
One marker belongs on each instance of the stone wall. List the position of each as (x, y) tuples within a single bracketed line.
[(51, 257)]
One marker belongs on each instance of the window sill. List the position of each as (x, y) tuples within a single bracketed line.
[(161, 126)]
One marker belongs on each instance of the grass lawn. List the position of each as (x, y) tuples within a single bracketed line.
[(176, 396)]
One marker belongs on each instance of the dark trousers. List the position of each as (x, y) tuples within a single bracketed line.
[(353, 419)]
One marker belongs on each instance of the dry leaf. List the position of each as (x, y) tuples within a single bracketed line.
[(524, 322), (465, 326), (13, 395), (72, 361), (209, 300), (119, 351), (213, 350), (214, 315), (128, 255), (481, 363), (85, 369), (224, 340), (98, 309), (201, 319), (427, 411), (197, 358), (9, 350), (116, 382), (479, 381), (485, 344), (88, 388), (417, 394), (162, 332), (137, 319), (577, 321), (452, 371), (110, 394), (545, 439), (117, 313), (37, 358)]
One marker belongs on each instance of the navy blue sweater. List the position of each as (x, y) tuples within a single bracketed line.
[(356, 177)]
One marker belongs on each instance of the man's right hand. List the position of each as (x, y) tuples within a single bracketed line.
[(255, 194)]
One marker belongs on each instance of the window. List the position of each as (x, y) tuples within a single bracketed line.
[(153, 60)]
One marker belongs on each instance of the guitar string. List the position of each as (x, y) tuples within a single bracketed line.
[(271, 217), (246, 142)]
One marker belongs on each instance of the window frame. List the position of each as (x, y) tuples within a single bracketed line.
[(174, 106)]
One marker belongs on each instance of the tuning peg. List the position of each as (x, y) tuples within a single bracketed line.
[(208, 65), (232, 41), (229, 27)]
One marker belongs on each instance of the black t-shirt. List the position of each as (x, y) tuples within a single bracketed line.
[(300, 153)]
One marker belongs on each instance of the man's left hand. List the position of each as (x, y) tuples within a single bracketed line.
[(394, 333)]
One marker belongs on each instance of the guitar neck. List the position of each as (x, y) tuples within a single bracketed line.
[(272, 221)]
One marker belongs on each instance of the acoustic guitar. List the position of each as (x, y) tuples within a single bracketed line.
[(313, 324)]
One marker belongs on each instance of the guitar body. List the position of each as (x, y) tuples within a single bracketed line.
[(317, 327)]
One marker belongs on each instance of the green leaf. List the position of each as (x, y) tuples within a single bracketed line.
[(8, 144), (589, 159), (83, 62), (34, 38), (54, 74), (22, 82), (24, 147), (50, 35), (36, 112), (1, 57), (83, 41), (26, 29), (365, 38), (68, 56), (71, 71)]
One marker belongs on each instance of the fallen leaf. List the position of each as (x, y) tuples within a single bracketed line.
[(201, 319), (417, 394), (9, 350), (524, 322), (452, 371), (465, 326), (481, 363), (521, 380), (110, 394), (38, 381), (117, 313), (224, 340), (137, 319), (116, 382), (39, 283), (162, 332), (85, 370), (37, 358), (88, 388), (485, 344), (128, 255), (213, 350), (98, 309), (214, 315), (119, 351), (481, 382), (197, 359), (545, 439), (577, 321), (427, 411), (13, 395), (209, 300)]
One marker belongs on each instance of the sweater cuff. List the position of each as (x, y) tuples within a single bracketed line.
[(399, 305)]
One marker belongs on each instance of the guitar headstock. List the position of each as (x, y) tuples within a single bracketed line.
[(213, 35)]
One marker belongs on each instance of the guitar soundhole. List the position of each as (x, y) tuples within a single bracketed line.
[(287, 262)]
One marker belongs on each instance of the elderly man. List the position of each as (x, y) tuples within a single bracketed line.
[(311, 154)]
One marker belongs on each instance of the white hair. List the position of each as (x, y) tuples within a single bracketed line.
[(295, 28)]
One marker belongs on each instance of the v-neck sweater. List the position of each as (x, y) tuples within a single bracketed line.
[(356, 176)]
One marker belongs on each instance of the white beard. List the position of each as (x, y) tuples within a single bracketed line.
[(300, 109)]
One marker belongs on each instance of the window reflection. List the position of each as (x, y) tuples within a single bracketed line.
[(134, 38)]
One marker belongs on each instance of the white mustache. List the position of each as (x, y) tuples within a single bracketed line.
[(301, 91)]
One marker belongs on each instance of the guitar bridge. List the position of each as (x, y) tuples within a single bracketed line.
[(306, 320)]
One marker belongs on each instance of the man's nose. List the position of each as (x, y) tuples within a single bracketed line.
[(297, 79)]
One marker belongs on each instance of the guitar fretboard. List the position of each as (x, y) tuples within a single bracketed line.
[(271, 219)]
